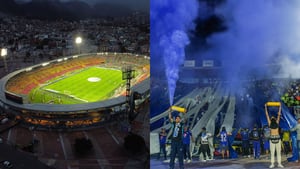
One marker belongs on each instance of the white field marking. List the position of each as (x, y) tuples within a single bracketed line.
[(78, 98), (50, 90), (67, 95), (94, 79)]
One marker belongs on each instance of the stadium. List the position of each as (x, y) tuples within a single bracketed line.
[(77, 91)]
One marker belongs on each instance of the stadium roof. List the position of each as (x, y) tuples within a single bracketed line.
[(143, 87)]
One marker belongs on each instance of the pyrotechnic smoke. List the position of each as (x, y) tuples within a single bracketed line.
[(170, 22), (259, 33)]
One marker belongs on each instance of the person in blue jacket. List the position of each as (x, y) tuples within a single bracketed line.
[(245, 142), (255, 137), (187, 138), (297, 129), (162, 143)]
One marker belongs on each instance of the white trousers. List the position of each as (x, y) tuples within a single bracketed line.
[(276, 147)]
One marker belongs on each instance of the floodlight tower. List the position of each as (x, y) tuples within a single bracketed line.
[(127, 74), (4, 54), (78, 42)]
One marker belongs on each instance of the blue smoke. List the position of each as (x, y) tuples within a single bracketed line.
[(171, 20), (259, 33)]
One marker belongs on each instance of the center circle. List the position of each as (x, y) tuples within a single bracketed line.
[(93, 79)]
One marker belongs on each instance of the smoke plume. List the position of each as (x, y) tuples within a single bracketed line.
[(260, 34), (261, 41), (171, 20)]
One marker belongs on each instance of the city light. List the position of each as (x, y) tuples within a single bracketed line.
[(3, 52)]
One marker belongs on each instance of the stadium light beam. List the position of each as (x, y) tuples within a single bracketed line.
[(78, 41), (4, 54)]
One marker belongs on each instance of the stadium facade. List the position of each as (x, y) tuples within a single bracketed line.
[(16, 102)]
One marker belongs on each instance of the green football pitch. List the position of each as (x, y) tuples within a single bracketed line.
[(89, 85)]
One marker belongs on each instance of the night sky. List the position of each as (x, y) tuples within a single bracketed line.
[(73, 9), (132, 4)]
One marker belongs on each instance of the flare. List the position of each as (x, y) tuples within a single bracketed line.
[(179, 109), (273, 103)]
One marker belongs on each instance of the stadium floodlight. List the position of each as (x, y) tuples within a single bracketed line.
[(4, 54), (45, 64), (78, 41), (75, 56), (28, 69), (59, 60), (65, 58)]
